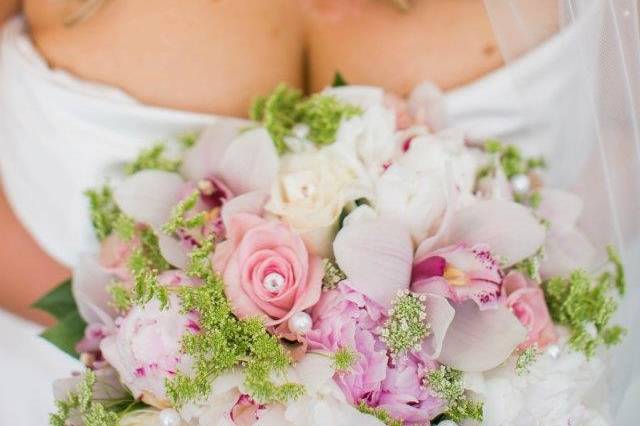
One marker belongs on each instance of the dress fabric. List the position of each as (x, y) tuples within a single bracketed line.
[(60, 135)]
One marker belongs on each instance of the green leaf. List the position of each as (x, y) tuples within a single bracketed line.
[(66, 333), (58, 302), (338, 80)]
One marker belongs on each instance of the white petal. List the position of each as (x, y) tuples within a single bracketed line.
[(250, 163), (172, 251), (89, 288), (439, 314), (149, 196), (362, 96), (376, 256), (509, 229), (565, 251), (560, 208), (204, 157), (313, 371), (480, 340)]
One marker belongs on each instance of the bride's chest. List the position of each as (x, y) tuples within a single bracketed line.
[(214, 56)]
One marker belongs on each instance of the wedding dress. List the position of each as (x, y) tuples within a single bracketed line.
[(60, 135)]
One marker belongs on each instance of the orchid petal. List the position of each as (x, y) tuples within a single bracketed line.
[(440, 314), (250, 202), (376, 256), (479, 340), (559, 207), (509, 229), (89, 288), (204, 157), (565, 251), (172, 251), (250, 163), (149, 196)]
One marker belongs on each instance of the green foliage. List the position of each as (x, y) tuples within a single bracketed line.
[(344, 358), (285, 107), (152, 158), (70, 327), (332, 274), (531, 265), (179, 218), (379, 413), (525, 359), (584, 305), (406, 326), (620, 280), (188, 140), (80, 403), (225, 342), (104, 212), (446, 382), (148, 256), (338, 80)]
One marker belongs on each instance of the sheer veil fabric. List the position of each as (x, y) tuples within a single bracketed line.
[(573, 98), (594, 141)]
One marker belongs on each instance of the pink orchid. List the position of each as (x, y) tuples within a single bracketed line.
[(115, 253), (459, 273), (526, 300)]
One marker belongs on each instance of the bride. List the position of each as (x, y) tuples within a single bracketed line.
[(84, 84)]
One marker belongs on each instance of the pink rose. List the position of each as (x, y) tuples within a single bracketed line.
[(526, 300), (146, 348), (115, 253), (459, 273), (267, 270)]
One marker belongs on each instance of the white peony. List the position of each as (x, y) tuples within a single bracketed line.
[(323, 402), (312, 189), (558, 390), (217, 409)]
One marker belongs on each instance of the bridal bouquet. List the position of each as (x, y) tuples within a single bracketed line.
[(341, 259)]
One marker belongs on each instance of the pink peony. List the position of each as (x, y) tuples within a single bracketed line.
[(115, 253), (145, 348), (404, 395), (526, 300), (459, 273), (267, 269)]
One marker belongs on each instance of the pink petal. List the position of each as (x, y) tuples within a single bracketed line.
[(376, 256), (440, 314), (149, 196), (89, 288), (478, 340), (204, 157), (250, 163), (173, 251), (250, 202), (509, 229), (559, 207), (427, 105)]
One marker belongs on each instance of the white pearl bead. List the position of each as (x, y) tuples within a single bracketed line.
[(521, 184), (553, 351), (273, 282), (300, 323), (169, 417), (447, 423)]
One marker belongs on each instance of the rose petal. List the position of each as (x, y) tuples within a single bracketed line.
[(149, 196), (172, 251), (204, 157), (89, 288), (480, 340), (509, 229), (439, 315), (376, 256), (250, 163)]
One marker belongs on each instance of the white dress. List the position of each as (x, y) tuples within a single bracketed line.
[(60, 135)]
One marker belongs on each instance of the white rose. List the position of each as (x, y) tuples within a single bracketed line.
[(323, 403), (311, 191)]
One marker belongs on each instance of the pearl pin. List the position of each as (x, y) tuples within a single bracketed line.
[(300, 323), (169, 417), (521, 184), (273, 282)]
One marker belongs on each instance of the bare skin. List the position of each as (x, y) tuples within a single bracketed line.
[(215, 55)]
